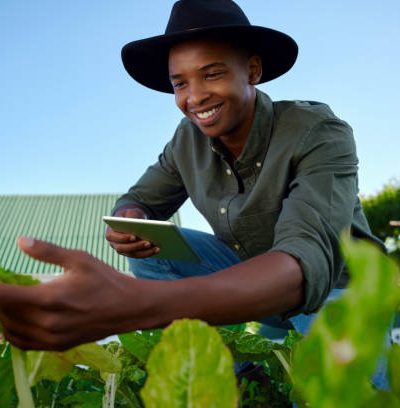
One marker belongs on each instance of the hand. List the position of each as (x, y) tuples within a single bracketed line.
[(87, 303), (128, 244)]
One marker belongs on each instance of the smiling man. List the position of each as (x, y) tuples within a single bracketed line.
[(277, 182)]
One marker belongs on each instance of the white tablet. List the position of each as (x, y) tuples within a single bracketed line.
[(164, 234)]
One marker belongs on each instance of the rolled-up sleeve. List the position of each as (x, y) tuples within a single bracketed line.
[(319, 206)]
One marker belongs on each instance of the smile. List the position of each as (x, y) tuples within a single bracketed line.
[(207, 114)]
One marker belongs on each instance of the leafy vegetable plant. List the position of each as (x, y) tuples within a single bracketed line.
[(187, 364), (191, 364), (30, 367), (348, 342)]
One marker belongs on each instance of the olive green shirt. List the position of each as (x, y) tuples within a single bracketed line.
[(292, 189)]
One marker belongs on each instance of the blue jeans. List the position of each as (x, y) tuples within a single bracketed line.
[(216, 255)]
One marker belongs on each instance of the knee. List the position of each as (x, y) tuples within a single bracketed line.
[(150, 268)]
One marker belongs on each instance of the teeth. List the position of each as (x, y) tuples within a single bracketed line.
[(205, 115)]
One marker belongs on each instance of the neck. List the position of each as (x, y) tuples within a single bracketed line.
[(235, 140), (233, 149)]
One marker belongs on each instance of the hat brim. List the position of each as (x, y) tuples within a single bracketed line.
[(146, 60)]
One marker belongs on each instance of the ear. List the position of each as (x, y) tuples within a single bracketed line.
[(255, 69)]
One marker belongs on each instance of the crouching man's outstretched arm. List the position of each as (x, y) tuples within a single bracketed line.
[(92, 300)]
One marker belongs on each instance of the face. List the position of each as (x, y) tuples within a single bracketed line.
[(214, 88)]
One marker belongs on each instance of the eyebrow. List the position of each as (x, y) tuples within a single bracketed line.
[(204, 68)]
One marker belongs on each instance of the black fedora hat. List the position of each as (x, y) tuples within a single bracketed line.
[(147, 60)]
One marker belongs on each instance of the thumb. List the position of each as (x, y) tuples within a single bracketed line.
[(44, 251)]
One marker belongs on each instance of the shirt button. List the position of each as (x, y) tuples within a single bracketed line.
[(258, 164), (222, 210), (237, 247), (228, 172)]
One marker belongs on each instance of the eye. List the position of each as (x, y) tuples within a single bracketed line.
[(214, 75), (177, 84)]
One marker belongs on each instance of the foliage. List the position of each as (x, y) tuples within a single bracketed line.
[(7, 387), (381, 208), (334, 363), (31, 368), (7, 276), (187, 362), (191, 364), (195, 366), (273, 385), (140, 343)]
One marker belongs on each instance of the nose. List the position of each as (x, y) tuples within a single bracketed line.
[(197, 93)]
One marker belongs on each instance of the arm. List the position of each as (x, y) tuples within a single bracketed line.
[(268, 284), (160, 191), (156, 195), (92, 300), (319, 206)]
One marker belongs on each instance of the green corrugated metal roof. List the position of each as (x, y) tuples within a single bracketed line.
[(72, 221)]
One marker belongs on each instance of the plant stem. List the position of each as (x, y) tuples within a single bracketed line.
[(35, 369), (284, 362), (109, 391), (55, 396), (25, 399)]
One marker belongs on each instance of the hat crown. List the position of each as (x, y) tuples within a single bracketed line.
[(192, 14)]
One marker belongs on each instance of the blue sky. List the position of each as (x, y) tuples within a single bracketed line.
[(73, 121)]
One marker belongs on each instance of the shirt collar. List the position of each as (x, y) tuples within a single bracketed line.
[(257, 143)]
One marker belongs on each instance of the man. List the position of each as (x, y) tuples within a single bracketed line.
[(276, 181)]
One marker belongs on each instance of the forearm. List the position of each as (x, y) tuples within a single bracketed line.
[(92, 300), (268, 284)]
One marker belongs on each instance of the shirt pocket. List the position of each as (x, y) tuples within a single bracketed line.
[(256, 231)]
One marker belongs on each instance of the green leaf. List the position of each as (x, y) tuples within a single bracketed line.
[(292, 339), (9, 277), (87, 399), (382, 399), (334, 363), (190, 367), (7, 389), (394, 369), (236, 327), (275, 357), (140, 343), (246, 346), (127, 397), (130, 380), (56, 365)]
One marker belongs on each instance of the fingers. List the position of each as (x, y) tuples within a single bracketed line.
[(119, 237), (44, 251), (22, 342), (19, 306), (20, 332), (15, 297), (33, 338), (130, 245), (15, 294), (138, 249), (33, 327)]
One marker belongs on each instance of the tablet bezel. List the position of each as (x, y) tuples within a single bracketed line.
[(164, 234)]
